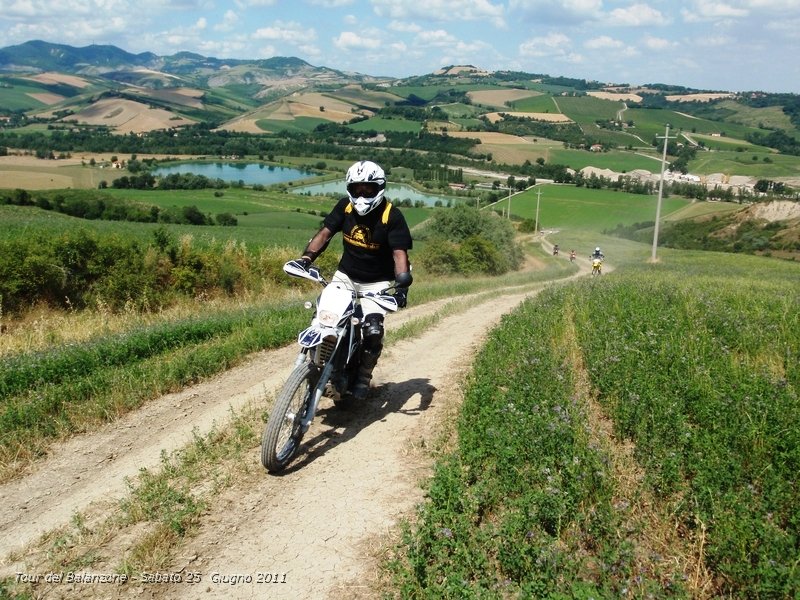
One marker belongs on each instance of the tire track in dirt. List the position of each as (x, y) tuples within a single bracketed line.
[(355, 476), (354, 479)]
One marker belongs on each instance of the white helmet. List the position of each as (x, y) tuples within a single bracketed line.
[(597, 249), (366, 184)]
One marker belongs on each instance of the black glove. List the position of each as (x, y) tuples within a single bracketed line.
[(401, 295)]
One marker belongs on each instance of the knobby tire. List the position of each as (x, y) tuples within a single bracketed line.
[(283, 433)]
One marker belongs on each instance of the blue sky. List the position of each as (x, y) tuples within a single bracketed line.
[(731, 45)]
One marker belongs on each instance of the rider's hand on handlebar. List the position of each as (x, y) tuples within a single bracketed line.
[(401, 295)]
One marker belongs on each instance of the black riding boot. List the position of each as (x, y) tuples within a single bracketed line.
[(371, 349)]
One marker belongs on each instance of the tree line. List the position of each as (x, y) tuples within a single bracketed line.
[(92, 205)]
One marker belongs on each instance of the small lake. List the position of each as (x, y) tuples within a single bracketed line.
[(258, 173), (248, 172), (394, 191)]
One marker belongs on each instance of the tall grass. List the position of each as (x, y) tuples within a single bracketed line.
[(51, 394)]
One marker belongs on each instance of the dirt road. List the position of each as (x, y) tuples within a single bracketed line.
[(316, 528)]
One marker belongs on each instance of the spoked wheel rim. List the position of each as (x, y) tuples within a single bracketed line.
[(289, 433)]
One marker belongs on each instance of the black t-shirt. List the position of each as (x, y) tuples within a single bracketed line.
[(369, 240)]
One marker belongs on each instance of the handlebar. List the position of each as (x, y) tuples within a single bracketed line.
[(383, 298)]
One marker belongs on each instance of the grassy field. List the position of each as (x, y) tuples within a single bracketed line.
[(265, 219), (651, 122), (771, 117), (384, 124), (304, 124), (646, 444), (766, 165), (565, 207), (621, 162), (535, 104)]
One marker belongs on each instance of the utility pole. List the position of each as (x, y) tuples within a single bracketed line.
[(509, 203), (538, 196), (660, 193)]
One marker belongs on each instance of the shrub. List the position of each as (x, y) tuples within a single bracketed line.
[(468, 241)]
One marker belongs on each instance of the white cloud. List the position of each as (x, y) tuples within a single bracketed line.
[(788, 6), (27, 9), (558, 11), (255, 3), (637, 15), (711, 10), (223, 49), (784, 25), (553, 44), (291, 32), (348, 40), (657, 43), (603, 41), (330, 3), (404, 27), (441, 10), (711, 41), (229, 22), (438, 37)]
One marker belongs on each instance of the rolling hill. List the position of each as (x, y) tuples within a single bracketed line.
[(517, 116)]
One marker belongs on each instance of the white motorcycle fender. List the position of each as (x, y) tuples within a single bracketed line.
[(333, 303)]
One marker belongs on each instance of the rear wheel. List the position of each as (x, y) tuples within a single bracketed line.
[(283, 432)]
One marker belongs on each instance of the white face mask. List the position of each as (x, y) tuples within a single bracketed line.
[(362, 205)]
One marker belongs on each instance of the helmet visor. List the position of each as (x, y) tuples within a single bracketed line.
[(363, 189)]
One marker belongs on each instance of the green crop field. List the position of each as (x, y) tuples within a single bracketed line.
[(636, 436), (588, 109), (619, 161), (265, 218), (765, 165), (387, 124), (460, 110), (297, 124), (542, 103), (569, 207), (16, 96), (771, 117), (429, 92), (651, 122), (729, 144)]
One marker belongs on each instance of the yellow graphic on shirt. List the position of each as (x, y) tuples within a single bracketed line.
[(362, 237)]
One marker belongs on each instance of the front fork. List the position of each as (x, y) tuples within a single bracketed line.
[(322, 380)]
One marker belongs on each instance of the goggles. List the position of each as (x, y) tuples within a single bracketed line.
[(363, 189)]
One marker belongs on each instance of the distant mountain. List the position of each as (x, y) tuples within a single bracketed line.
[(42, 78), (42, 56), (45, 56)]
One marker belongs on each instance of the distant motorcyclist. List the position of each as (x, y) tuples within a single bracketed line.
[(376, 244), (572, 255)]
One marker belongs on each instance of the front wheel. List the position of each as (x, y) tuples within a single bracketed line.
[(284, 432)]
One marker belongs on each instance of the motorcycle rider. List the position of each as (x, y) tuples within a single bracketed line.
[(376, 242), (597, 254)]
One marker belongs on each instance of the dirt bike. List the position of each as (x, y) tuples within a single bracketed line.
[(555, 250), (572, 256), (597, 266), (329, 354)]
